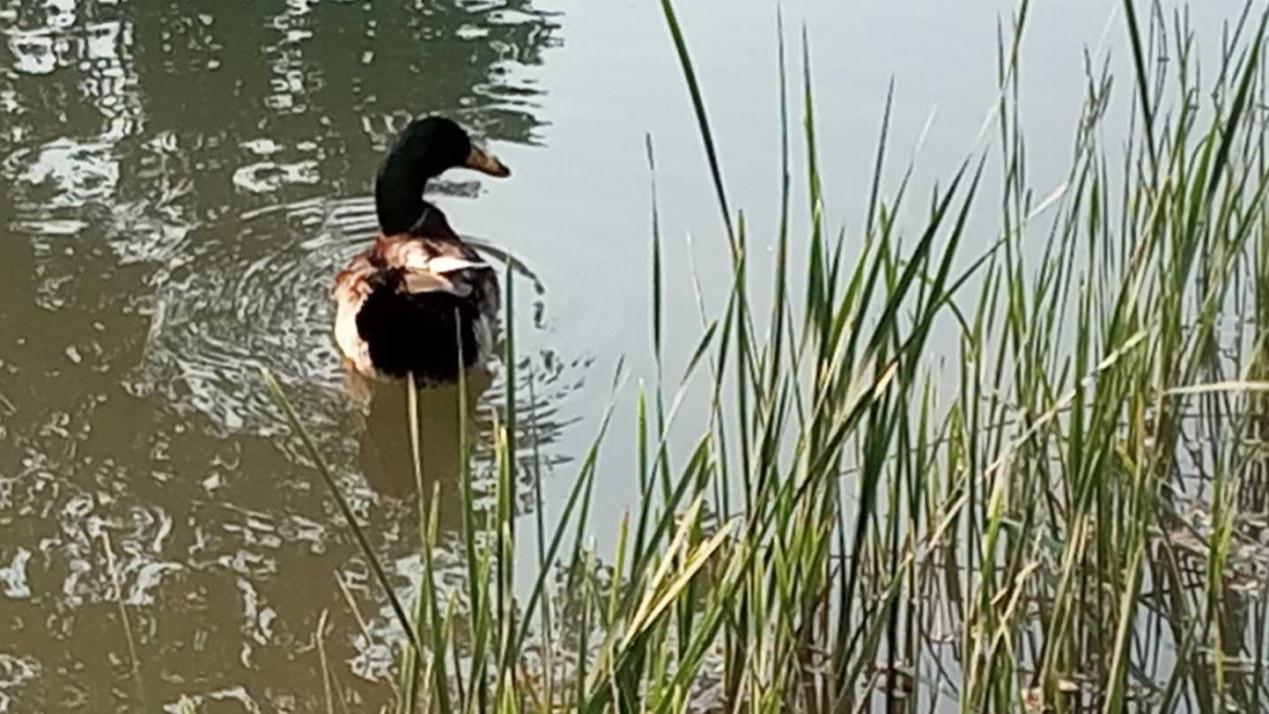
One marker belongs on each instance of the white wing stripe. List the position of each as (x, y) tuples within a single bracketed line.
[(449, 264)]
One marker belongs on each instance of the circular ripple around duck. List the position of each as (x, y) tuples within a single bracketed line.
[(256, 295)]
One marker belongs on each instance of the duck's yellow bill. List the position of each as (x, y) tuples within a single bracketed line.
[(483, 161)]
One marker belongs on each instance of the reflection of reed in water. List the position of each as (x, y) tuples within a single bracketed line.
[(385, 453)]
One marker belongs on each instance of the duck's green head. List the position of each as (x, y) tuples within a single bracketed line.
[(431, 145), (424, 149)]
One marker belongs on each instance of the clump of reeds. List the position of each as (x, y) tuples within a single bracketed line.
[(1071, 519)]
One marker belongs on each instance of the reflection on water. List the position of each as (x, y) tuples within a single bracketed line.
[(180, 183), (386, 445), (233, 301), (385, 451)]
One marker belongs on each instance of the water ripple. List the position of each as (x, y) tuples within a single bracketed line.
[(15, 671), (255, 293), (247, 295)]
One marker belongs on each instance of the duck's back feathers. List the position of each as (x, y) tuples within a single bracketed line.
[(405, 305), (352, 288)]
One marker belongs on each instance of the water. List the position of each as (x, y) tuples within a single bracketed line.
[(180, 181)]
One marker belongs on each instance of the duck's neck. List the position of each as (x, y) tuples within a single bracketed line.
[(398, 197)]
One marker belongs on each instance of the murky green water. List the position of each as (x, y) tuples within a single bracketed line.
[(179, 181), (180, 184)]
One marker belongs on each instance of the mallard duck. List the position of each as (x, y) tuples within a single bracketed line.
[(405, 304)]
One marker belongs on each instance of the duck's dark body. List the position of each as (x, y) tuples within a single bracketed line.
[(405, 333), (406, 305)]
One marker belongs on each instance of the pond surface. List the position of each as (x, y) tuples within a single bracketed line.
[(179, 182)]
